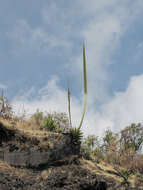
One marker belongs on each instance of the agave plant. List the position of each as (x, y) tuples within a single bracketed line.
[(76, 132), (76, 136)]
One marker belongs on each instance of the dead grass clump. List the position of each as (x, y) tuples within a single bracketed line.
[(136, 164), (19, 172), (5, 167)]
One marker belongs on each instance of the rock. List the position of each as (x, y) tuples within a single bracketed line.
[(34, 155)]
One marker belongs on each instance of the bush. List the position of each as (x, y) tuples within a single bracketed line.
[(37, 118), (61, 119), (125, 175), (86, 153), (110, 147), (56, 122), (50, 125), (91, 148)]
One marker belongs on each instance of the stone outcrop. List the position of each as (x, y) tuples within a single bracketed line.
[(18, 149), (35, 158)]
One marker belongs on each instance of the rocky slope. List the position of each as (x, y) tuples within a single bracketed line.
[(31, 160)]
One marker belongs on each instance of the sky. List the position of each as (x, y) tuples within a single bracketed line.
[(41, 51)]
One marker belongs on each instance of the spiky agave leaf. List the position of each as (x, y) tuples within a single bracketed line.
[(85, 86), (76, 135)]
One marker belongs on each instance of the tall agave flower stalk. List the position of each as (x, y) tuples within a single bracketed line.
[(69, 107), (85, 92), (85, 87)]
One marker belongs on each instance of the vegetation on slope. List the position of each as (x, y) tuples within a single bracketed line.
[(115, 158)]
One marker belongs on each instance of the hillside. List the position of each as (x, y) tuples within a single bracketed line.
[(35, 159)]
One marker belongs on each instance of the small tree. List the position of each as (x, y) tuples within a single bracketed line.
[(92, 148), (110, 140), (91, 141), (132, 138), (110, 144)]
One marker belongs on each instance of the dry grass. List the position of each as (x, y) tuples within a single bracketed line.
[(100, 169), (6, 168), (41, 136), (107, 171), (136, 164), (27, 129)]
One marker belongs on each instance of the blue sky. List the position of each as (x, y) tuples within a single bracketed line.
[(41, 49)]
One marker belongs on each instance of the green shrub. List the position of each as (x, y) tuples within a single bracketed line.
[(56, 122), (50, 124), (125, 175), (86, 153), (92, 148), (61, 119)]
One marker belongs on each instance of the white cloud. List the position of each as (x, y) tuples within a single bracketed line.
[(126, 107), (123, 109), (49, 98), (107, 23)]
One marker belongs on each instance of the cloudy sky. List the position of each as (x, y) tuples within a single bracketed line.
[(41, 49)]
